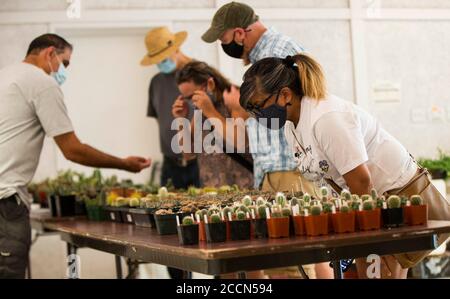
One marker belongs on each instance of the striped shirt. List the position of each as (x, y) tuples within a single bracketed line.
[(269, 148)]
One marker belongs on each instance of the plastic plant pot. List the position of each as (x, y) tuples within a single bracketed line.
[(343, 222), (216, 232), (260, 228), (64, 206), (188, 234), (114, 214), (278, 227), (369, 220), (143, 217), (416, 215), (392, 217), (240, 230), (299, 225), (127, 216), (201, 231), (316, 225), (166, 224)]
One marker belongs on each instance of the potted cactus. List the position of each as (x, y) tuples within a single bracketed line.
[(344, 220), (316, 224), (277, 224), (416, 211), (216, 229), (200, 217), (368, 216), (187, 231), (328, 208), (240, 226), (298, 219), (392, 213), (166, 223), (260, 223)]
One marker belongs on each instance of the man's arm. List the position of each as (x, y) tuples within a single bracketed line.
[(84, 154)]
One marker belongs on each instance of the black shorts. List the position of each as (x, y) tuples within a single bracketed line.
[(15, 238)]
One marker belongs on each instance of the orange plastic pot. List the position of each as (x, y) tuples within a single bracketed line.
[(343, 222), (316, 225), (278, 227), (201, 231), (416, 215), (369, 220), (299, 225)]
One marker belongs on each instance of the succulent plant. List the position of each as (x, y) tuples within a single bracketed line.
[(416, 200), (240, 215), (345, 209), (260, 201), (188, 220), (394, 202), (327, 207), (213, 210), (201, 213), (380, 201), (280, 199), (354, 205), (162, 192), (403, 201), (276, 214), (346, 195), (215, 218), (366, 197), (307, 197), (269, 205), (324, 193), (262, 212), (244, 209), (368, 205), (286, 212), (247, 201), (122, 202), (374, 194), (227, 210), (316, 210), (295, 201), (134, 202), (355, 197)]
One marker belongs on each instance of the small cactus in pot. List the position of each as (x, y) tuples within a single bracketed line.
[(417, 212), (393, 215), (369, 218), (280, 199)]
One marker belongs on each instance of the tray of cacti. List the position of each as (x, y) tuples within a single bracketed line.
[(260, 221), (216, 229), (115, 208), (392, 212), (316, 222), (278, 222), (369, 217), (187, 231), (166, 222), (415, 211)]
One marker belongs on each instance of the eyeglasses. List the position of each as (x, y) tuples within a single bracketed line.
[(254, 109)]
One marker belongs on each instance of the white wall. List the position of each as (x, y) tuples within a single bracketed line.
[(360, 44)]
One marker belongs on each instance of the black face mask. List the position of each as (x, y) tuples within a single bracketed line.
[(233, 49), (273, 117)]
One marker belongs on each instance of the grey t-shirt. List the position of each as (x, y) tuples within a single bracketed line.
[(31, 106), (162, 94)]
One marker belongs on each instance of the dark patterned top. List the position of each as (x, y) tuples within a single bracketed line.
[(218, 169)]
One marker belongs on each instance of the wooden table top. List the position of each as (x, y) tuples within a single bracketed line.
[(146, 238)]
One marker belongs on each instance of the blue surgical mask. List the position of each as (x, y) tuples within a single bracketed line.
[(61, 75), (167, 66), (273, 117)]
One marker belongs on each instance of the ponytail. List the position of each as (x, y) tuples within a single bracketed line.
[(311, 76)]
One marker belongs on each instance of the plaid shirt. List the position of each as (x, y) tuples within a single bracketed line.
[(269, 148)]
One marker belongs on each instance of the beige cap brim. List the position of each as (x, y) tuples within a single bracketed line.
[(180, 37)]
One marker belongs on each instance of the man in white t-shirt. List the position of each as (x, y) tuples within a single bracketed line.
[(32, 107)]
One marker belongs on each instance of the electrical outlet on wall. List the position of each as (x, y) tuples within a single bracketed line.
[(386, 92), (437, 113), (419, 115)]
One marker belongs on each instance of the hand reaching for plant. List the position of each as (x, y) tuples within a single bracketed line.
[(136, 164)]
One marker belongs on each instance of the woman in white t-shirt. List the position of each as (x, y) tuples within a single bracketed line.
[(332, 139)]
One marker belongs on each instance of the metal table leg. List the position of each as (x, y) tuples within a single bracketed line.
[(302, 272), (118, 267), (337, 270)]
